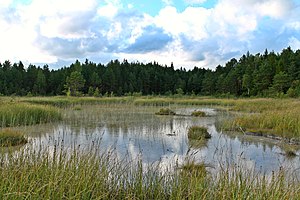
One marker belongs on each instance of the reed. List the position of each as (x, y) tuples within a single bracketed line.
[(75, 174), (273, 117), (63, 101), (17, 114)]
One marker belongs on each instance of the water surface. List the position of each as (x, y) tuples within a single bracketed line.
[(136, 132)]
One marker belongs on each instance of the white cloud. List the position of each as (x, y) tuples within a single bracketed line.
[(191, 22), (47, 31), (115, 31), (108, 11), (5, 3)]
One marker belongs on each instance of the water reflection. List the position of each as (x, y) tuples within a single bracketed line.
[(136, 132)]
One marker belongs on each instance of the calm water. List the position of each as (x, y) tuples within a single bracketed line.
[(135, 132)]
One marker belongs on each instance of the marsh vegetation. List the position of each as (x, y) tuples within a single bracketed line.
[(117, 148), (9, 137), (198, 133), (165, 111), (198, 113)]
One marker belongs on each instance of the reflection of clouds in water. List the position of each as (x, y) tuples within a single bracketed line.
[(163, 140), (222, 151)]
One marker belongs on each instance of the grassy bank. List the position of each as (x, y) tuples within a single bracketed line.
[(10, 137), (57, 174), (18, 113), (279, 117)]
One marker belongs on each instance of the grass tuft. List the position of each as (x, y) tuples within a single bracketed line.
[(165, 111), (198, 113), (198, 133)]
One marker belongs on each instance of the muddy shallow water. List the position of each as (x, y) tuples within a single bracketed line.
[(136, 132)]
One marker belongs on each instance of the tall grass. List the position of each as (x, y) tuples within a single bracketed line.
[(269, 116), (17, 113), (76, 174), (63, 101), (198, 133)]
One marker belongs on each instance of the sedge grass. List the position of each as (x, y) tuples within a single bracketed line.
[(277, 117), (76, 174), (198, 133), (17, 114)]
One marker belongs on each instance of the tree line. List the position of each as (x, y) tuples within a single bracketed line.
[(267, 75)]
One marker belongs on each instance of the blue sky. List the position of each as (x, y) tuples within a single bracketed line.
[(202, 33)]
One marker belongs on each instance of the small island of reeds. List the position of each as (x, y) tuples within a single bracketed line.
[(198, 113), (165, 111), (198, 133)]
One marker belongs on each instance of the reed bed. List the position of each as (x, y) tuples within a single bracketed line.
[(268, 116), (76, 174), (63, 101), (197, 101), (18, 113)]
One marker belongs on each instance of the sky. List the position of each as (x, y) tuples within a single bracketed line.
[(202, 33)]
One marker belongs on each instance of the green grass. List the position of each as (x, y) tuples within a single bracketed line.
[(75, 174), (18, 113), (165, 111), (10, 137), (198, 133)]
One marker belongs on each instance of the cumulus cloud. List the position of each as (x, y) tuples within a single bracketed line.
[(49, 31)]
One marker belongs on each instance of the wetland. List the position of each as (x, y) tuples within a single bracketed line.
[(129, 151)]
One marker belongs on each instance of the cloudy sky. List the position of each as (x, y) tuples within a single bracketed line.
[(189, 33)]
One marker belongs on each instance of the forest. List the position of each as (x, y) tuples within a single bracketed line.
[(261, 75)]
